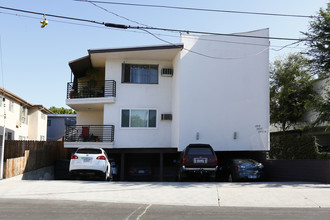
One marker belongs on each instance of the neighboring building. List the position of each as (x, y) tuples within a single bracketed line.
[(321, 132), (23, 121), (159, 99), (57, 125)]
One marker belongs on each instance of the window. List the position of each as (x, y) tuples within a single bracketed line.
[(24, 115), (11, 106), (42, 138), (137, 73), (9, 136), (138, 118), (49, 123)]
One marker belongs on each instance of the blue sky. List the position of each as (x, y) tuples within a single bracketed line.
[(35, 60)]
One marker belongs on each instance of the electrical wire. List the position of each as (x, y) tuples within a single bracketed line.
[(205, 55), (285, 46), (199, 9), (127, 19), (164, 35), (198, 53), (51, 15), (153, 28)]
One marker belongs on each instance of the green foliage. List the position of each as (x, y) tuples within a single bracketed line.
[(318, 41), (61, 110), (294, 146), (322, 107), (291, 92)]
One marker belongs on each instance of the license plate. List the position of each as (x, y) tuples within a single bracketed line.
[(252, 176), (200, 160), (86, 159), (141, 171)]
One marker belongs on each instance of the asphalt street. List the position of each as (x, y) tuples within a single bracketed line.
[(58, 209)]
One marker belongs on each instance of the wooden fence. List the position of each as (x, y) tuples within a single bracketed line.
[(24, 156)]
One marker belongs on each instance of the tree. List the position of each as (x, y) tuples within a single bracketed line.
[(318, 41), (61, 110), (322, 108), (291, 91)]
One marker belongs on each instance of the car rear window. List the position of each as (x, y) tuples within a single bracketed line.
[(89, 151), (199, 151)]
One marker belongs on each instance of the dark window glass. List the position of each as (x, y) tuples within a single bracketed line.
[(125, 118), (138, 118), (153, 74), (89, 151), (152, 119), (199, 151), (126, 75), (138, 73)]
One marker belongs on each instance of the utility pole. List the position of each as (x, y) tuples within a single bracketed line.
[(3, 139)]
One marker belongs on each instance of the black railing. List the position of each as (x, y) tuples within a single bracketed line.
[(91, 89), (90, 133)]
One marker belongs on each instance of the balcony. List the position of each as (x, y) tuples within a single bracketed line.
[(90, 94), (89, 135)]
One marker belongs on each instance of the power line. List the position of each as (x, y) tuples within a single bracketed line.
[(158, 34), (51, 15), (122, 26), (199, 9), (127, 19), (214, 33), (205, 55), (198, 53)]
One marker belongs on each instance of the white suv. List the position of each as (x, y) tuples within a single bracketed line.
[(90, 162)]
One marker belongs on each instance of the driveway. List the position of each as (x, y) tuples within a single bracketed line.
[(260, 194)]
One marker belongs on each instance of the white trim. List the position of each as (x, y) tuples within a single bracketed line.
[(104, 145), (102, 100)]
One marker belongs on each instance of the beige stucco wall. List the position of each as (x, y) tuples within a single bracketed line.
[(30, 131)]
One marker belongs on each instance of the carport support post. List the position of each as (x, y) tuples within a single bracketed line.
[(161, 166), (122, 167)]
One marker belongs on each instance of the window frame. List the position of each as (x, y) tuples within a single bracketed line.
[(126, 66), (11, 105), (24, 115), (146, 109)]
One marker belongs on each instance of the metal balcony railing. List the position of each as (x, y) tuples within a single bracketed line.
[(91, 89), (89, 133)]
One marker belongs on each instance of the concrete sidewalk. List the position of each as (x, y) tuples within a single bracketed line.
[(266, 194)]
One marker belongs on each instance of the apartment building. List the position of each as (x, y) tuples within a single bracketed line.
[(22, 120), (156, 100)]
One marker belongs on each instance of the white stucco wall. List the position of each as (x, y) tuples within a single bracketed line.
[(225, 95), (223, 98), (139, 96), (35, 127), (176, 102), (33, 123)]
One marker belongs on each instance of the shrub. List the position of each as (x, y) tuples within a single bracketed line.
[(294, 146)]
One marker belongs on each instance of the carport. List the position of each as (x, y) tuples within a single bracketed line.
[(162, 160)]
